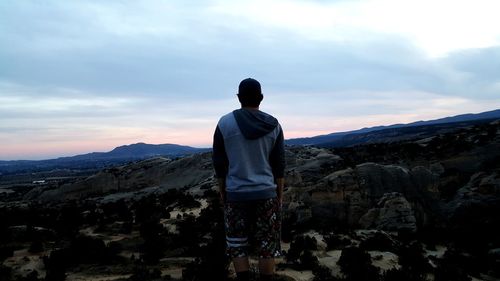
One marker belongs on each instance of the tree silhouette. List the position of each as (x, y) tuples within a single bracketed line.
[(356, 265)]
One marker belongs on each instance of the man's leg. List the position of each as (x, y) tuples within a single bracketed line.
[(236, 216), (266, 268), (241, 264), (242, 268), (268, 233)]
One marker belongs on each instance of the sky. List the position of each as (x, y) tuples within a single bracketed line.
[(83, 76)]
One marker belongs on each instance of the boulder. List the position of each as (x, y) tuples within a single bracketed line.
[(347, 195), (393, 213)]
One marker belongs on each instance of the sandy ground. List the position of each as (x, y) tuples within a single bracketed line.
[(5, 190), (384, 260), (438, 253), (23, 262), (194, 211), (173, 272), (305, 275), (90, 231), (83, 277), (319, 239), (167, 223), (330, 259)]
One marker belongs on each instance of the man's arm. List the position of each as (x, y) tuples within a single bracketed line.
[(220, 162), (277, 162), (222, 189), (280, 184)]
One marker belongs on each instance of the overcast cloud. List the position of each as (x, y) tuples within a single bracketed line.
[(81, 76)]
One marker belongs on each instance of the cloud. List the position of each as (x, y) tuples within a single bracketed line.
[(83, 73), (170, 49)]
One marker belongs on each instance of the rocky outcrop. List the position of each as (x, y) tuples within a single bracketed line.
[(392, 213), (482, 188), (346, 195), (307, 165), (158, 172), (481, 195)]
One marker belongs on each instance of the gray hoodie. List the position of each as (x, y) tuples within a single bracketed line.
[(248, 151)]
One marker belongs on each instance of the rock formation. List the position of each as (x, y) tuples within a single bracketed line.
[(393, 213)]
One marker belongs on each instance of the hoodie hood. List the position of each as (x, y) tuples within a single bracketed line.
[(254, 124)]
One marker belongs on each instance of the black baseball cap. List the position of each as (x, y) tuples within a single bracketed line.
[(249, 87)]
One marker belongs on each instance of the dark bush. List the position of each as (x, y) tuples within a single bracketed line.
[(85, 249), (394, 275), (142, 273), (308, 260), (356, 265), (5, 273), (6, 251), (300, 254), (211, 261), (148, 208), (69, 220), (401, 274), (36, 247), (32, 276), (56, 265), (323, 273), (153, 249), (82, 250), (187, 201), (336, 242), (413, 262), (446, 272), (458, 264)]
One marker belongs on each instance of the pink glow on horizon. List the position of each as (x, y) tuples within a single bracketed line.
[(55, 149), (196, 135)]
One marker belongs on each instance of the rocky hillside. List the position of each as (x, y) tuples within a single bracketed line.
[(415, 183), (432, 202), (156, 174), (406, 185), (397, 131)]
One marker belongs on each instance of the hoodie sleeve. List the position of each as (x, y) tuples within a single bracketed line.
[(277, 156), (219, 156)]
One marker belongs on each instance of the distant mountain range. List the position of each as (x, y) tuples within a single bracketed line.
[(97, 160), (396, 131), (139, 151)]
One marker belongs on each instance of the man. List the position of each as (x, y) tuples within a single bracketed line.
[(249, 162)]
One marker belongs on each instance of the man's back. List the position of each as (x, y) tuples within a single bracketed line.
[(252, 141)]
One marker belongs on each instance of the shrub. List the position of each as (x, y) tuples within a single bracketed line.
[(5, 273), (378, 242), (142, 273), (394, 275), (323, 273), (413, 262), (6, 252), (211, 261), (334, 242), (300, 252), (401, 274), (356, 265), (36, 247)]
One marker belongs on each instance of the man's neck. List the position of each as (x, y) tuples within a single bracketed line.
[(250, 107)]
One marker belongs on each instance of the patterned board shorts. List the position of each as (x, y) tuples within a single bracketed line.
[(254, 223)]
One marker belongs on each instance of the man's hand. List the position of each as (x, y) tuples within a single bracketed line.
[(280, 184), (222, 189)]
